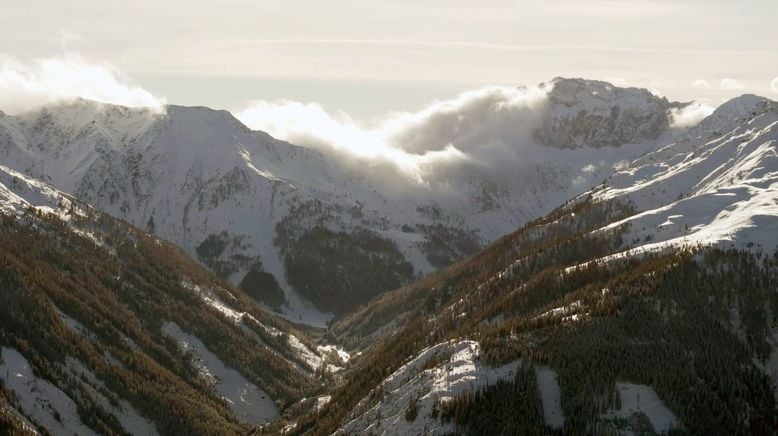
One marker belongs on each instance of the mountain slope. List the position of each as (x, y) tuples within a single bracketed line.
[(711, 189), (106, 329), (603, 330), (244, 203)]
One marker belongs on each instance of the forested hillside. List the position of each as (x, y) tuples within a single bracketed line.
[(106, 329), (694, 325)]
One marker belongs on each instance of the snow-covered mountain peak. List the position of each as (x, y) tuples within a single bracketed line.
[(596, 114), (739, 107), (729, 115), (241, 201), (205, 117), (80, 112), (576, 92)]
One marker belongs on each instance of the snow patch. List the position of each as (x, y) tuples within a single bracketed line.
[(249, 403), (551, 397), (40, 400), (643, 399)]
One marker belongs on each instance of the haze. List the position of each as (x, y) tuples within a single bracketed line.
[(368, 58)]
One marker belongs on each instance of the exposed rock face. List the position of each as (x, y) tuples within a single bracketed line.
[(598, 114)]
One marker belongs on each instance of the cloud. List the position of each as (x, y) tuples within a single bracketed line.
[(482, 126), (774, 85), (731, 84), (690, 115), (26, 85), (702, 84)]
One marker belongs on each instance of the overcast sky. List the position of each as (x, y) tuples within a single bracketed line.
[(369, 57)]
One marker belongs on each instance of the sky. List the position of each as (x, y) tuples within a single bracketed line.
[(363, 59)]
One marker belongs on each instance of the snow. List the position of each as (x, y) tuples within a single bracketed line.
[(642, 398), (199, 172), (45, 404), (210, 298), (564, 310), (248, 402), (703, 189), (342, 354), (322, 401), (238, 318), (19, 192), (461, 369), (305, 353), (719, 190), (551, 397)]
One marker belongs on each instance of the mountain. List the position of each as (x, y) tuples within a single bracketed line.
[(589, 113), (647, 303), (105, 329), (644, 305), (720, 188), (292, 225)]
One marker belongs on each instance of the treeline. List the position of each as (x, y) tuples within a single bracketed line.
[(558, 240), (506, 408)]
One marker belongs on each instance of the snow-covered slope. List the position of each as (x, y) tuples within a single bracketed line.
[(239, 200), (713, 189)]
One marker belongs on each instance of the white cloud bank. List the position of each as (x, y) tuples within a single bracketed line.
[(26, 85), (690, 115), (774, 85), (483, 126)]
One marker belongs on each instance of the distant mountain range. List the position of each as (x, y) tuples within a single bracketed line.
[(617, 275), (252, 207)]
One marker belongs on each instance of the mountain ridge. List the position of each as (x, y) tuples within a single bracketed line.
[(588, 311), (221, 178), (656, 285)]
